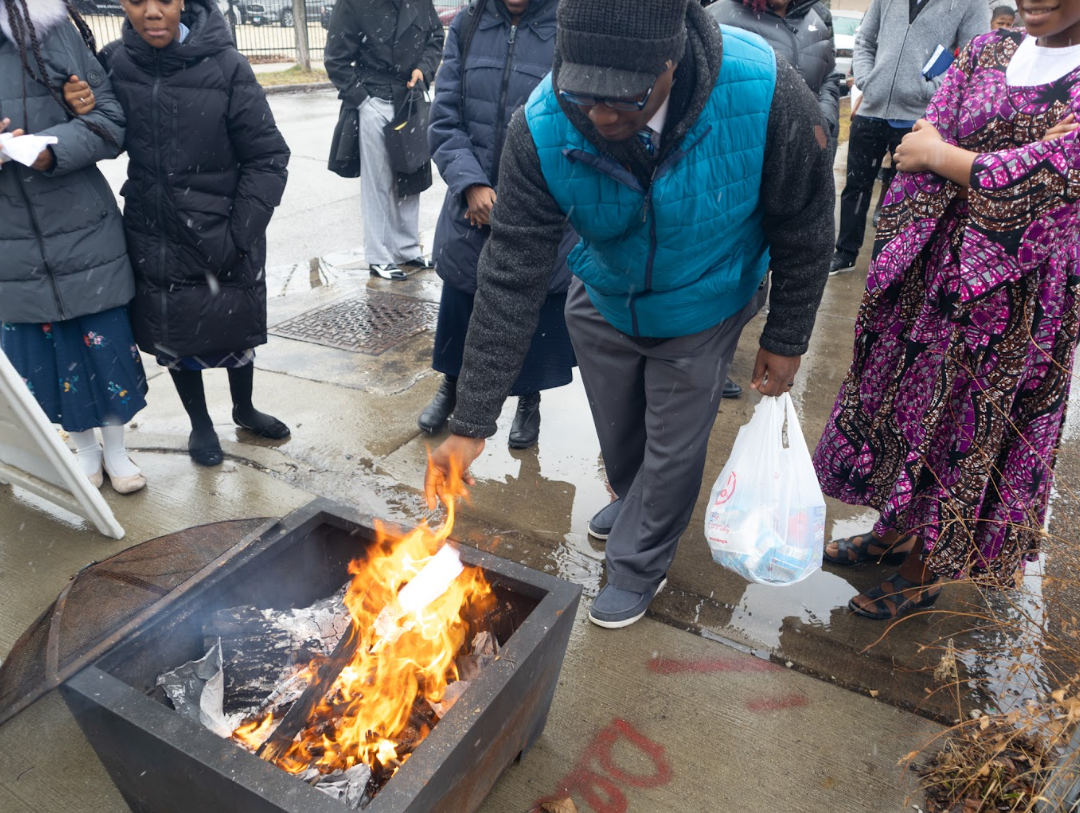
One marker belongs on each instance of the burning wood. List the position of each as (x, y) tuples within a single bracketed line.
[(261, 649)]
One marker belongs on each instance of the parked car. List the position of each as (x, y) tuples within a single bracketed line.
[(845, 24), (235, 12), (447, 11), (268, 12)]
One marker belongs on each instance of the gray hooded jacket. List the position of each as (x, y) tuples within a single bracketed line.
[(62, 248), (891, 50)]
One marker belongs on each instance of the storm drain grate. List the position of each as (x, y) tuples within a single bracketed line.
[(370, 324)]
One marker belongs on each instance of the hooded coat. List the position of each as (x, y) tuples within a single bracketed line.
[(60, 231), (469, 117), (804, 37), (207, 169)]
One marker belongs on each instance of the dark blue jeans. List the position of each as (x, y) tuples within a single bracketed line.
[(871, 139)]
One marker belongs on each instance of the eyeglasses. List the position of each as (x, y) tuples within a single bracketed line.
[(614, 104)]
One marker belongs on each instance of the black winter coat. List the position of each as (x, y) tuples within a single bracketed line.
[(372, 48), (804, 38), (468, 125), (207, 169)]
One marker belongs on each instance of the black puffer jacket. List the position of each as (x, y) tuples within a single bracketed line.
[(207, 168), (61, 239), (472, 107), (804, 38)]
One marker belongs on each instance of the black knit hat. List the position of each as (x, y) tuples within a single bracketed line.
[(615, 49)]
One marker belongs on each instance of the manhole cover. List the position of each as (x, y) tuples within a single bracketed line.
[(371, 324)]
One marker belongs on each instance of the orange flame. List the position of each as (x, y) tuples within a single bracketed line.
[(366, 715), (252, 735)]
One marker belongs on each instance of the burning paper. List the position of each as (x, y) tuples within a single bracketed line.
[(485, 648), (431, 582)]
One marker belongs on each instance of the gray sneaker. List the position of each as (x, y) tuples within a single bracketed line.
[(615, 608), (601, 523)]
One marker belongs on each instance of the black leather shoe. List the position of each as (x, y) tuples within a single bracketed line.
[(731, 389), (841, 262), (434, 416), (526, 427)]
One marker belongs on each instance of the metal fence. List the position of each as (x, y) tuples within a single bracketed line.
[(264, 30)]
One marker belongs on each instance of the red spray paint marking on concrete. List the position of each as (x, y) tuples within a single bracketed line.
[(599, 781), (762, 705), (666, 666)]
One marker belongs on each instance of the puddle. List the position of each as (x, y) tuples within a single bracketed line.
[(761, 612), (1005, 664), (852, 526)]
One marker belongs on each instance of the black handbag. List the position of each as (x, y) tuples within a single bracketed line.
[(345, 145), (406, 134)]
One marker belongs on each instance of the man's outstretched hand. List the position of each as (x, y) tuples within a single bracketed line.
[(456, 453), (773, 374)]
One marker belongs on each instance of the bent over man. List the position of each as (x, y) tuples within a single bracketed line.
[(690, 159)]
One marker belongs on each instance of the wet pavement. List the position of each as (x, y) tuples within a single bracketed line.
[(355, 440)]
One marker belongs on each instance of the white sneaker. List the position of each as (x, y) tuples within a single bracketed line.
[(387, 271)]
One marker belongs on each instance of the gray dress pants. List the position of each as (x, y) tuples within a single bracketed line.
[(391, 223), (653, 408)]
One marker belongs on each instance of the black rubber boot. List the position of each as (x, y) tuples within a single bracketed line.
[(526, 427), (204, 448), (203, 445), (436, 413), (244, 414)]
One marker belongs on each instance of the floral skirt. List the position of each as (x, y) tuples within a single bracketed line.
[(84, 372)]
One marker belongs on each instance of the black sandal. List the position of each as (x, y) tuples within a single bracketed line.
[(861, 549), (887, 605)]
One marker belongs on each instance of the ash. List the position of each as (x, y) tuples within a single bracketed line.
[(265, 653), (348, 786), (256, 661)]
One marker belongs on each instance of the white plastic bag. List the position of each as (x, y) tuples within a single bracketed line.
[(766, 515)]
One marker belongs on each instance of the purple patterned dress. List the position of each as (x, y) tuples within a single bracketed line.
[(949, 419)]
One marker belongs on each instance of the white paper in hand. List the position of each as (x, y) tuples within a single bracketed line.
[(23, 149)]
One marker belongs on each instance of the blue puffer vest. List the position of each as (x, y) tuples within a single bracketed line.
[(689, 251)]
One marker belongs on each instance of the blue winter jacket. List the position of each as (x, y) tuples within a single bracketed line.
[(502, 67), (689, 251)]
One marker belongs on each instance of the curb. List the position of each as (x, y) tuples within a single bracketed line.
[(305, 88)]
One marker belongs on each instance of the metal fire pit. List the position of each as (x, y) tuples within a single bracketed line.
[(164, 763)]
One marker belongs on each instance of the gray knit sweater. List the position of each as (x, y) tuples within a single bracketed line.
[(797, 198), (890, 52)]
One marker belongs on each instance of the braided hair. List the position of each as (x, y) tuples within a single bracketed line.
[(23, 31), (83, 26)]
